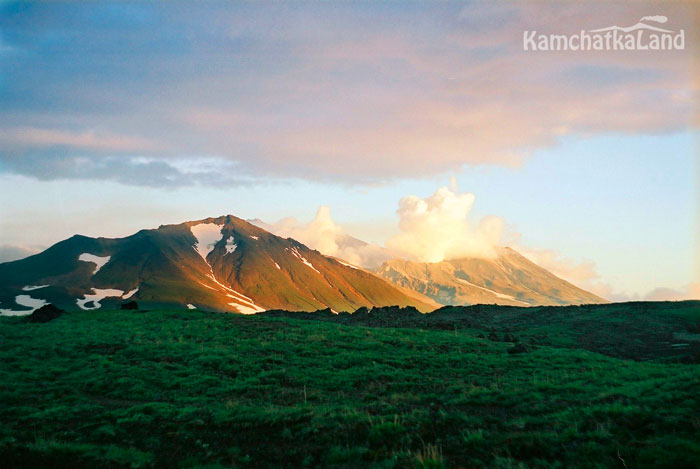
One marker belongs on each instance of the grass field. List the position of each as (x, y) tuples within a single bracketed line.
[(193, 389)]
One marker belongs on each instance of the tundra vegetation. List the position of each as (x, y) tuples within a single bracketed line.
[(595, 386)]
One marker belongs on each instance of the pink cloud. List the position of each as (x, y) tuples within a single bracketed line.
[(333, 96), (88, 139), (687, 292)]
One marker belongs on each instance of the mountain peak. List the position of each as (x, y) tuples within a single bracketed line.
[(230, 222), (218, 263), (509, 279)]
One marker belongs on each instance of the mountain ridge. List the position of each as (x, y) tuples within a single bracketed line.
[(509, 279), (242, 268), (229, 264)]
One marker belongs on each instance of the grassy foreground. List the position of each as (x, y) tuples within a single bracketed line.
[(192, 389)]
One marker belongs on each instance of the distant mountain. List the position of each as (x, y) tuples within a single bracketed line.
[(508, 279), (220, 264)]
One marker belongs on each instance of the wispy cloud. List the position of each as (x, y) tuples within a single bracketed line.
[(583, 274), (128, 170), (29, 137), (686, 292)]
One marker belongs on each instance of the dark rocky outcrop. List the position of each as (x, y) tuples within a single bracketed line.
[(130, 305), (45, 314), (384, 316)]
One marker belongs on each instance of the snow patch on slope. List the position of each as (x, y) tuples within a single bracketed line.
[(99, 295), (246, 309), (99, 261), (254, 237), (130, 294), (244, 304), (499, 295), (303, 259), (33, 287), (346, 264), (239, 295), (24, 300), (207, 234), (191, 306), (230, 245)]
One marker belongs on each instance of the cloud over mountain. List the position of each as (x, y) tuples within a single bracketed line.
[(325, 235), (582, 273), (436, 228), (431, 229)]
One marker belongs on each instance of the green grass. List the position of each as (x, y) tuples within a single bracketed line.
[(662, 331), (193, 389)]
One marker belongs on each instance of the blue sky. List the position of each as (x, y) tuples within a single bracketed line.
[(115, 117)]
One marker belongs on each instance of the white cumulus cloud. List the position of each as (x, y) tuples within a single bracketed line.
[(324, 235), (431, 229), (437, 228)]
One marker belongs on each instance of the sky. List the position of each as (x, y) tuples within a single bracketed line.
[(423, 127)]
